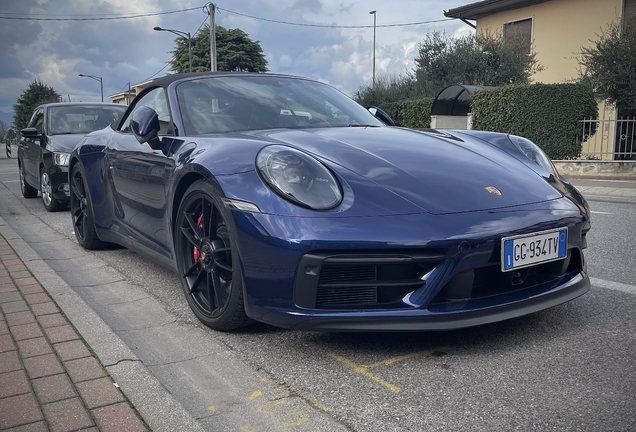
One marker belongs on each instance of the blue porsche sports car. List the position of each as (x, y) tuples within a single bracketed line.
[(279, 199)]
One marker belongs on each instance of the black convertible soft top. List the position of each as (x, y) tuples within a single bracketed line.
[(165, 81)]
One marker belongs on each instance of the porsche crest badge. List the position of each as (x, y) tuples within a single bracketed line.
[(493, 190)]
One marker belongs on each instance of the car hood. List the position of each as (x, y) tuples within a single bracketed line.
[(63, 143), (440, 174)]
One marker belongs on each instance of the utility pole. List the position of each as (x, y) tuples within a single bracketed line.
[(211, 11), (374, 17)]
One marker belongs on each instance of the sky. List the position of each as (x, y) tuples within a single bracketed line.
[(36, 44)]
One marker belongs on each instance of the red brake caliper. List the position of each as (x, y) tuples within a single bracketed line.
[(196, 254)]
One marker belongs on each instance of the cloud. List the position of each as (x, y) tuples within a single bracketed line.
[(128, 50)]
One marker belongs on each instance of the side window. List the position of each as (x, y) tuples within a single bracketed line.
[(38, 121), (34, 117), (155, 99)]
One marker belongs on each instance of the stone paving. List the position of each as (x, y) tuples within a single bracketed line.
[(49, 379)]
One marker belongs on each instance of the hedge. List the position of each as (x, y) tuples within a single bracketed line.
[(547, 114), (414, 114)]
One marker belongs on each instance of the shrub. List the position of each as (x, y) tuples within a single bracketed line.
[(547, 114), (414, 114)]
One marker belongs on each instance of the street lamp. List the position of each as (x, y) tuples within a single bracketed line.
[(182, 34), (96, 78), (374, 18)]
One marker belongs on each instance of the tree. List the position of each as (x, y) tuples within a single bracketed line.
[(35, 94), (235, 51), (609, 65), (4, 130), (388, 89), (481, 59)]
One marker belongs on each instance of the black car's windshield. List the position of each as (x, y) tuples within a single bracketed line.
[(239, 103), (81, 119)]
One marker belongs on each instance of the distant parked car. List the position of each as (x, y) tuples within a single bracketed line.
[(47, 142)]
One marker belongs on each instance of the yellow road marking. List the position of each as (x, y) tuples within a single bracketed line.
[(406, 357), (256, 395), (245, 428), (294, 419), (364, 369), (272, 405), (309, 399), (365, 372), (211, 408)]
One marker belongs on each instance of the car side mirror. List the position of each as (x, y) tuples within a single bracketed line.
[(33, 133), (30, 132), (381, 115), (145, 126)]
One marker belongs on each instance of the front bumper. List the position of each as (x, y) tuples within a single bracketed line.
[(576, 287), (59, 182), (281, 287)]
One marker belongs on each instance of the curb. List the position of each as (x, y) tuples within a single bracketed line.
[(158, 408)]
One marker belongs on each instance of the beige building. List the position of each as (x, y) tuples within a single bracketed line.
[(127, 96), (555, 31)]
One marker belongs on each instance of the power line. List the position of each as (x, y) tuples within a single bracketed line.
[(334, 26), (103, 17), (156, 73), (94, 18)]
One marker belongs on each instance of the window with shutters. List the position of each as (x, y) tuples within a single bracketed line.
[(519, 29)]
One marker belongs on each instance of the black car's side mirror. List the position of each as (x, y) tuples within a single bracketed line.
[(381, 115), (33, 133), (30, 132), (145, 126)]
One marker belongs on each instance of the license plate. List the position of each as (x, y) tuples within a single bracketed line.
[(530, 249)]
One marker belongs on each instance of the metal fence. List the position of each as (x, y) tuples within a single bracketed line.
[(608, 139)]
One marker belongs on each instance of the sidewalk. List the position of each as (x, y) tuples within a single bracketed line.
[(612, 187), (49, 380)]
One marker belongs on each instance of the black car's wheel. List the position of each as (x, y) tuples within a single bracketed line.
[(207, 259), (82, 211), (27, 190), (46, 190)]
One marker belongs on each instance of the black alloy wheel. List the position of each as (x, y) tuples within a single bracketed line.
[(207, 259), (27, 190), (82, 211)]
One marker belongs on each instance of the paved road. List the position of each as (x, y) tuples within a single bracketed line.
[(569, 368)]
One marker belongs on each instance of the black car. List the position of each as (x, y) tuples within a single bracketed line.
[(47, 142)]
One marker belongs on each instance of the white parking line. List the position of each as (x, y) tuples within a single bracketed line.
[(613, 181), (617, 286), (598, 212)]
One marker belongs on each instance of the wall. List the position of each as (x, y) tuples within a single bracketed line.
[(449, 122), (560, 28)]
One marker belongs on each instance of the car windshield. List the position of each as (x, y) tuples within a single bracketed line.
[(78, 119), (239, 103)]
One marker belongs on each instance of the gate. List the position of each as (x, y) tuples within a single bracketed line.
[(609, 139)]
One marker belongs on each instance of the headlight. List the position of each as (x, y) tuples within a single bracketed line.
[(298, 177), (61, 159), (534, 153)]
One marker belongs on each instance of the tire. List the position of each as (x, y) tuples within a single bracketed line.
[(207, 259), (46, 191), (27, 190), (82, 211)]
